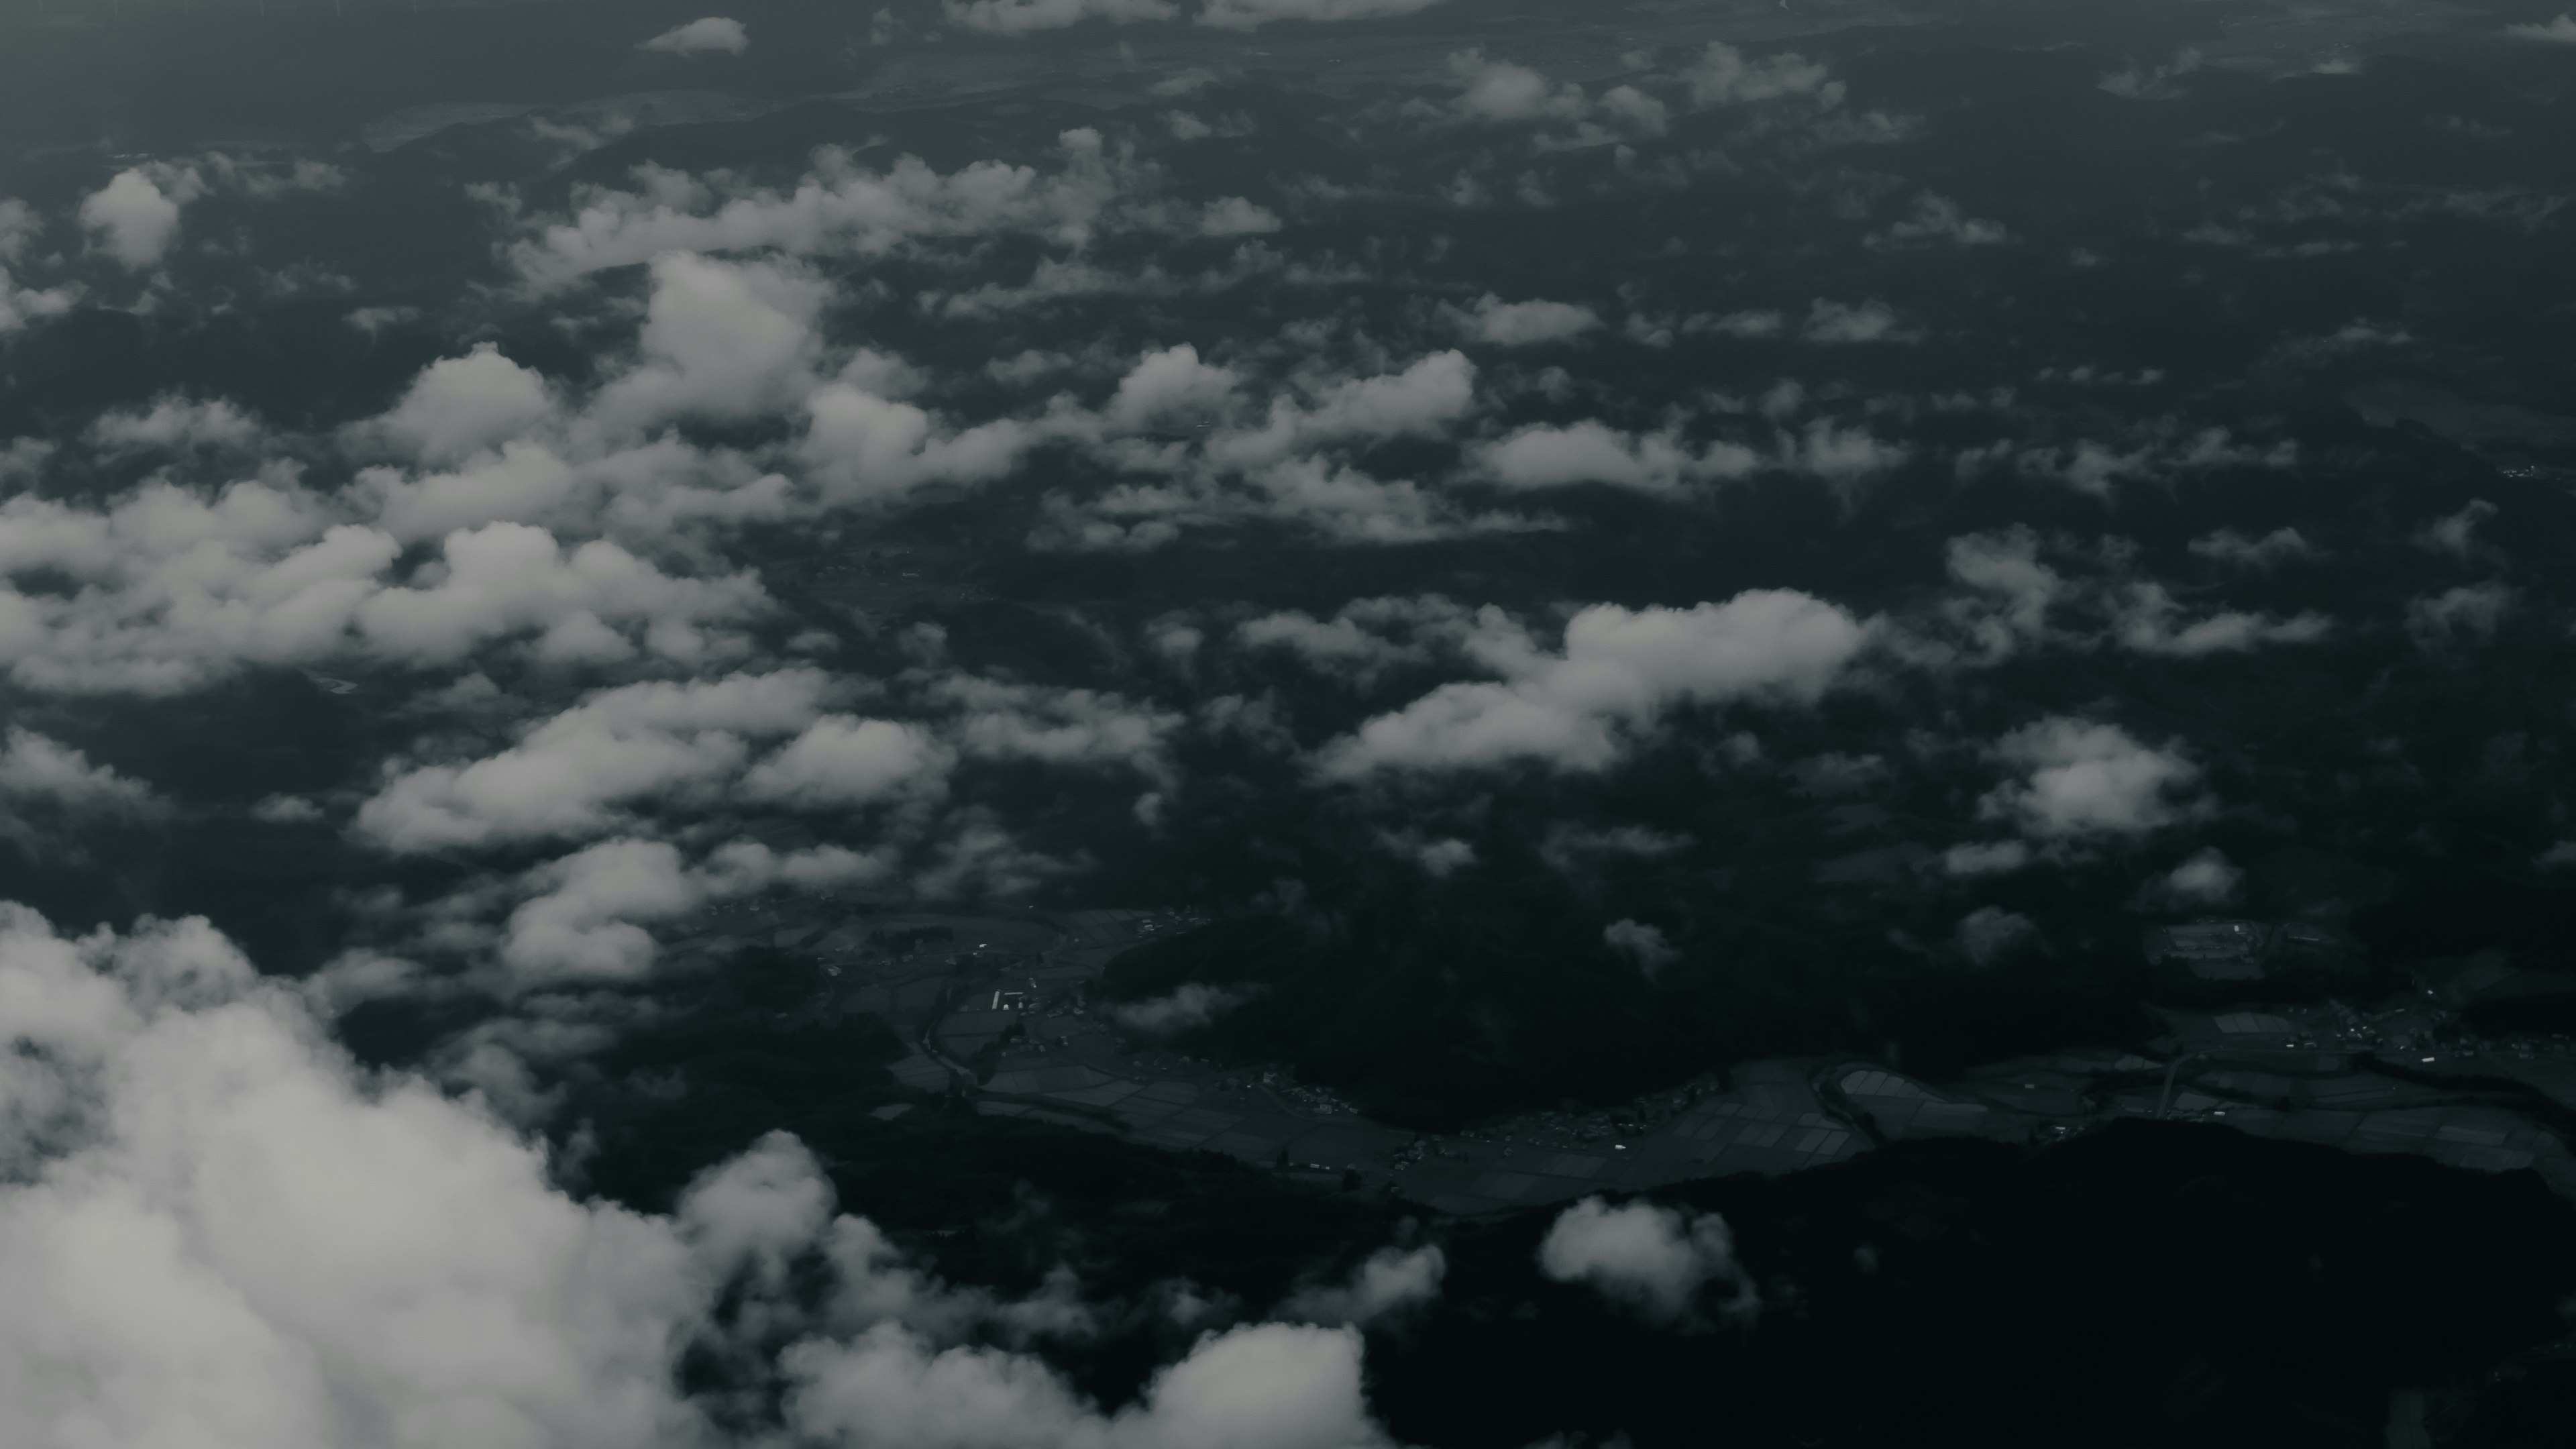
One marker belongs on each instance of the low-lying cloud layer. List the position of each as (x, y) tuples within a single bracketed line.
[(218, 1230)]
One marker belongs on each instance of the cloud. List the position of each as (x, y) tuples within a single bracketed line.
[(2085, 780), (1431, 393), (1235, 216), (2093, 468), (1024, 17), (24, 460), (2470, 613), (1391, 1282), (2208, 878), (2145, 620), (586, 917), (459, 406), (135, 218), (18, 226), (1253, 14), (1650, 1258), (2352, 337), (285, 810), (2561, 31), (136, 215), (841, 760), (1632, 111), (372, 320), (836, 209), (1523, 324), (721, 340), (2228, 546), (861, 447), (2006, 568), (215, 1228), (1169, 384), (242, 1245), (1439, 859), (1740, 325), (1060, 279), (1723, 77), (2457, 534), (2015, 595), (714, 35), (1266, 1386), (2152, 82), (1500, 91), (20, 306), (1543, 455), (1838, 455), (980, 858), (2000, 857), (998, 719), (1643, 944), (1359, 641), (175, 588), (1570, 847), (58, 781), (1186, 1007), (577, 773), (1336, 501), (1288, 465), (176, 424), (1837, 322), (1988, 934), (1619, 672), (1937, 220), (506, 579), (265, 178)]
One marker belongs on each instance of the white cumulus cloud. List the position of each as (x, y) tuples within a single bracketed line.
[(1724, 76), (2561, 31), (459, 406), (41, 774), (1618, 672), (1524, 324), (2207, 878), (1253, 14), (2082, 779), (1191, 1004), (579, 772), (216, 1230), (1390, 1282), (136, 215), (713, 35), (1546, 455), (1652, 1258), (1023, 17), (588, 919)]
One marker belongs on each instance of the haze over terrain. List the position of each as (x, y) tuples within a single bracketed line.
[(989, 723)]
